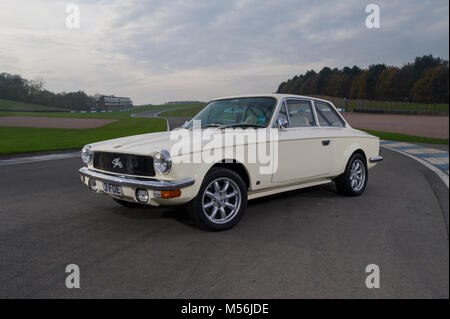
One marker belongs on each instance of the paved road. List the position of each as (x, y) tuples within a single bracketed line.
[(310, 243), (419, 125)]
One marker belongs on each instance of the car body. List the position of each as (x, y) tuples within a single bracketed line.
[(315, 145)]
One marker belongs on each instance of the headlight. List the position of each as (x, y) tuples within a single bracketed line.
[(162, 162), (87, 155)]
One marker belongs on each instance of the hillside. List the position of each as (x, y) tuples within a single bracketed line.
[(9, 105)]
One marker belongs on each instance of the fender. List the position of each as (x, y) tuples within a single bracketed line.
[(352, 148), (204, 169)]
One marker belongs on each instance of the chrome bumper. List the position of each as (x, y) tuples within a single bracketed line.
[(133, 182), (375, 159)]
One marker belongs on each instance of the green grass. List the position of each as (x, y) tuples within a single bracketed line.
[(29, 139), (106, 115), (188, 111), (9, 105), (406, 138)]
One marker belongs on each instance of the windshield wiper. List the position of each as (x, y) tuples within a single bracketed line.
[(243, 125), (213, 125), (221, 126)]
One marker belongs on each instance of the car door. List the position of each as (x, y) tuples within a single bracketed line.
[(305, 150)]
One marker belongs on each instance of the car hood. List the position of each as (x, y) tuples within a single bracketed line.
[(144, 144), (147, 144)]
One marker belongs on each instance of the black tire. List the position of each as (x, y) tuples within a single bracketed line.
[(344, 183), (129, 204), (199, 214)]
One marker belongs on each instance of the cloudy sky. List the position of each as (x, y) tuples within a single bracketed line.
[(156, 51)]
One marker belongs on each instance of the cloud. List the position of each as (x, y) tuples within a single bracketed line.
[(156, 51)]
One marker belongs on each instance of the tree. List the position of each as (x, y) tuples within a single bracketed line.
[(14, 87), (424, 80), (433, 86), (37, 84), (383, 88)]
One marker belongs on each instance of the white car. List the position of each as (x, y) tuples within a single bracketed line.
[(309, 143)]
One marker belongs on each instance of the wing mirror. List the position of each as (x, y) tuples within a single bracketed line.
[(282, 123)]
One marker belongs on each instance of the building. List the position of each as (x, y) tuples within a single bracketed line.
[(114, 103)]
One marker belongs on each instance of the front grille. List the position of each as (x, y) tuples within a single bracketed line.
[(127, 164)]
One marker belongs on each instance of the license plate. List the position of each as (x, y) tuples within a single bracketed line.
[(112, 189)]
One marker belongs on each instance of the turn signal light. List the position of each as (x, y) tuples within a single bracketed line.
[(171, 194)]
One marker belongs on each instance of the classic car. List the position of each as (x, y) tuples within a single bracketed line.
[(313, 145)]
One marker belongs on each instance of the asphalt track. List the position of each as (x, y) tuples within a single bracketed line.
[(311, 243)]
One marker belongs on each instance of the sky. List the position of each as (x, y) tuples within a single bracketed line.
[(159, 51)]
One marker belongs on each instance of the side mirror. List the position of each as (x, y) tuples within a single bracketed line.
[(185, 124), (282, 123)]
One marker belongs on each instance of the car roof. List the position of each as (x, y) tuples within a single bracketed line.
[(274, 95), (280, 97)]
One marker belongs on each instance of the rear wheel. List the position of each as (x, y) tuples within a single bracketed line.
[(221, 201), (354, 179)]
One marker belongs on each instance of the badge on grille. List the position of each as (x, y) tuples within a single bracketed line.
[(117, 163)]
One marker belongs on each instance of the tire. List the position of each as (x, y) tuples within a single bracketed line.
[(215, 207), (354, 179), (129, 204)]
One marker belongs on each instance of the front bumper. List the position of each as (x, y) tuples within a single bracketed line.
[(136, 183), (130, 186), (375, 159)]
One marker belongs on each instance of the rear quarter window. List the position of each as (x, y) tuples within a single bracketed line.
[(327, 115)]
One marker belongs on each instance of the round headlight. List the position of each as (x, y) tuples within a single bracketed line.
[(162, 162), (87, 155)]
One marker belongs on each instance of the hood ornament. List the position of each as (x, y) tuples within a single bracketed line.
[(117, 163)]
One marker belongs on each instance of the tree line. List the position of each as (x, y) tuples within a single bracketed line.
[(14, 87), (426, 80)]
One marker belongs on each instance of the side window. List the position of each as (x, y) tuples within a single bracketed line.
[(300, 113), (327, 115)]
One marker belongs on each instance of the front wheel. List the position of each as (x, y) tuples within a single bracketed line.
[(221, 201), (354, 179)]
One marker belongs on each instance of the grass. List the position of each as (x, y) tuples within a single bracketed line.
[(188, 111), (406, 138), (29, 139), (106, 115), (9, 105)]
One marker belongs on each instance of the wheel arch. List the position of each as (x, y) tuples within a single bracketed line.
[(354, 148), (235, 166), (232, 164)]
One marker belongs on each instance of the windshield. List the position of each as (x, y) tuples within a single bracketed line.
[(249, 111)]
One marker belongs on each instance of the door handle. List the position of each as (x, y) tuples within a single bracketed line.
[(325, 142)]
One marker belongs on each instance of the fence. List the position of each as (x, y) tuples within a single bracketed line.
[(389, 107)]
